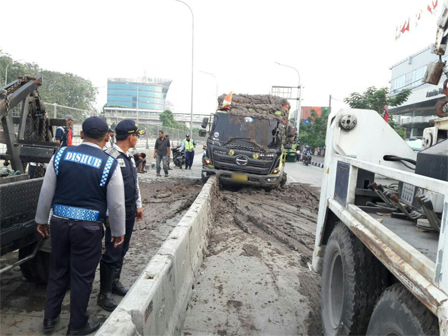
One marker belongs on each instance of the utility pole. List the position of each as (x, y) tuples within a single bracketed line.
[(192, 63), (329, 105), (299, 96), (137, 104)]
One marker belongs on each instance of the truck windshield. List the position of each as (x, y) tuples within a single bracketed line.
[(233, 128)]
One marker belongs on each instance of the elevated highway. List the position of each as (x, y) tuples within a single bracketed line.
[(145, 116)]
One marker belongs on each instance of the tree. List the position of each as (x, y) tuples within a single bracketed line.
[(167, 119), (375, 99), (314, 131), (59, 88)]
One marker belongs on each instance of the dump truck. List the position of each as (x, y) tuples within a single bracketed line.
[(27, 133), (247, 138)]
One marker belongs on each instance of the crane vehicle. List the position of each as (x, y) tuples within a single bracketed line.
[(26, 132), (381, 238)]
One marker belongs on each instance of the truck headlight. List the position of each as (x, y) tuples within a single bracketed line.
[(208, 161), (275, 171)]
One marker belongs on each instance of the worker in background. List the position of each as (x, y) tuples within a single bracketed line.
[(162, 152), (81, 183), (127, 134), (111, 137), (141, 163), (188, 145), (168, 159), (64, 135)]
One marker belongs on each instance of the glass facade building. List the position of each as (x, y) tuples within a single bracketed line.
[(419, 109), (144, 94)]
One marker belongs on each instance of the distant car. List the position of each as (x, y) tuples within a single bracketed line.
[(415, 144)]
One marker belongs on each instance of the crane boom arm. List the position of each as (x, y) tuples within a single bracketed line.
[(442, 31)]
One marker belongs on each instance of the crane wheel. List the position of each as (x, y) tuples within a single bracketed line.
[(399, 312), (352, 280)]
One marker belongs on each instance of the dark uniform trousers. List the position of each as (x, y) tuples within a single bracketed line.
[(78, 246), (189, 157), (113, 255)]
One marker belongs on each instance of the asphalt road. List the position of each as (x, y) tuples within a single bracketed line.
[(298, 172)]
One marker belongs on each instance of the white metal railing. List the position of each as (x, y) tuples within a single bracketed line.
[(432, 271), (421, 181)]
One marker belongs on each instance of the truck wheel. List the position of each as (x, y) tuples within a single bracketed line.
[(204, 178), (398, 312), (284, 179), (36, 269), (352, 280)]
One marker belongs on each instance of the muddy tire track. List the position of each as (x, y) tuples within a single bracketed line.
[(260, 245)]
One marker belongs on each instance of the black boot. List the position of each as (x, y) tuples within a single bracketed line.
[(92, 325), (50, 324), (117, 286), (105, 299)]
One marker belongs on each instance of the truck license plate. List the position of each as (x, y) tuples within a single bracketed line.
[(239, 178)]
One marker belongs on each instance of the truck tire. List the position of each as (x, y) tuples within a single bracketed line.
[(284, 179), (204, 178), (37, 269), (398, 312), (352, 280)]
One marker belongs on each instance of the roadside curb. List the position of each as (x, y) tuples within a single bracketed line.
[(317, 164), (156, 303)]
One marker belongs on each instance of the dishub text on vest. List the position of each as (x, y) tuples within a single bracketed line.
[(84, 159)]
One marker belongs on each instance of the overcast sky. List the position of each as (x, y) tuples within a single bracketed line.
[(337, 46)]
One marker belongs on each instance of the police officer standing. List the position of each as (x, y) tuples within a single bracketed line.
[(81, 183), (188, 145), (127, 134)]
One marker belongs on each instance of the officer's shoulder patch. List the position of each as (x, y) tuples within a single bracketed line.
[(121, 162), (113, 152)]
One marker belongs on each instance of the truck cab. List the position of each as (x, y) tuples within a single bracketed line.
[(245, 148)]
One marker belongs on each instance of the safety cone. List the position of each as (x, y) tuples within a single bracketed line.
[(226, 102)]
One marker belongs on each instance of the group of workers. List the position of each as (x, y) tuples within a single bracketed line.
[(162, 152), (92, 193)]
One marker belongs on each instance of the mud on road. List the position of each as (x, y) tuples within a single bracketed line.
[(165, 201), (255, 279)]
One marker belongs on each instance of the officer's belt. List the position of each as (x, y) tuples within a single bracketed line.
[(70, 212)]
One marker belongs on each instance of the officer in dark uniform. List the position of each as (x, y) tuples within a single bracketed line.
[(80, 184), (127, 134)]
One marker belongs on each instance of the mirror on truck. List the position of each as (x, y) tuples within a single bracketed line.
[(202, 133), (204, 124)]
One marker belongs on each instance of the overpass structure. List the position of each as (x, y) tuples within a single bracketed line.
[(147, 116)]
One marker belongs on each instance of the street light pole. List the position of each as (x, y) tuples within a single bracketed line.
[(137, 103), (216, 80), (192, 63), (299, 96), (6, 72)]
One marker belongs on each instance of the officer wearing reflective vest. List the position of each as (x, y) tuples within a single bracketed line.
[(127, 134), (188, 145), (80, 184)]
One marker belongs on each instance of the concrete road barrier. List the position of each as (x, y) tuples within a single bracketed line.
[(317, 164), (157, 302)]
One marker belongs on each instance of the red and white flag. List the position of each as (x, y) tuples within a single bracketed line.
[(385, 113)]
